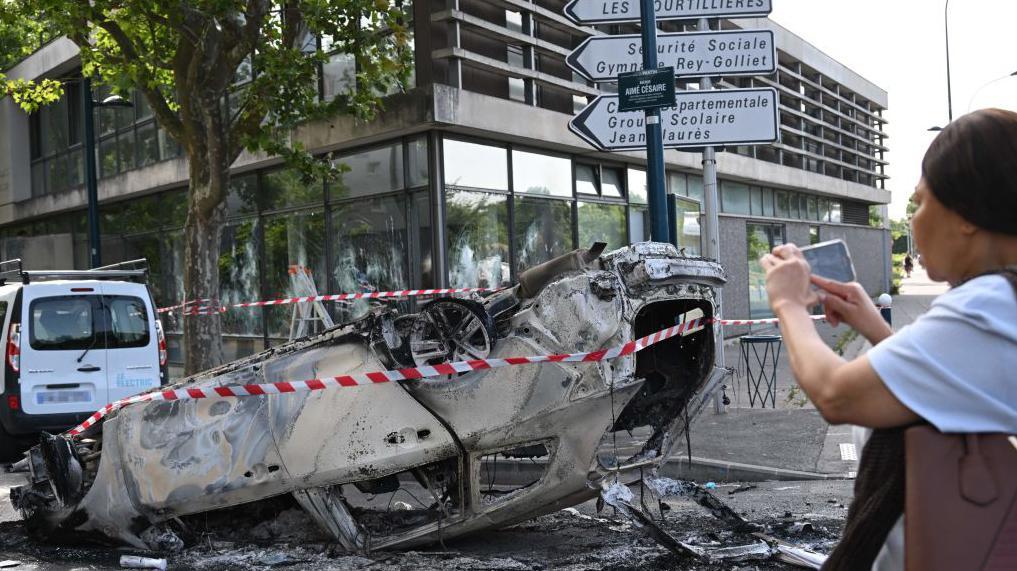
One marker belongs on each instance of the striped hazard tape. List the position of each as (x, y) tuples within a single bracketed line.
[(411, 373), (360, 379), (206, 307)]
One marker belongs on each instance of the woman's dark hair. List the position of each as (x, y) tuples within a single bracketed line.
[(971, 167)]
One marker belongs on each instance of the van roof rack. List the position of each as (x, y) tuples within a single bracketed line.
[(139, 264), (132, 270)]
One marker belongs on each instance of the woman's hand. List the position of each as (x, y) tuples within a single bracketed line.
[(787, 279), (848, 303)]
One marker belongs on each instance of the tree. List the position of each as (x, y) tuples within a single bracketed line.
[(185, 57), (20, 35)]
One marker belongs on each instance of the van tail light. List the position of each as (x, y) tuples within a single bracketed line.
[(14, 347), (13, 402), (162, 343)]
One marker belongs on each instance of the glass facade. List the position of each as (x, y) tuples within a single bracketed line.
[(126, 137), (745, 200), (505, 209)]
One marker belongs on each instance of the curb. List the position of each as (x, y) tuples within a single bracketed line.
[(701, 470), (722, 471)]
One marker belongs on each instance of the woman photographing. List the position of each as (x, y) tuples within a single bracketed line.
[(954, 368)]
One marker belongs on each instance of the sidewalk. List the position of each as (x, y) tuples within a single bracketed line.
[(791, 441)]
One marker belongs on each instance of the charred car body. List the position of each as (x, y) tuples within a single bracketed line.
[(406, 463)]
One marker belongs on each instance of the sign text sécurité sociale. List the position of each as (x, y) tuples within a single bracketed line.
[(619, 11), (691, 54), (698, 119)]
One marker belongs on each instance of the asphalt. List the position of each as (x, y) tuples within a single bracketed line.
[(790, 441)]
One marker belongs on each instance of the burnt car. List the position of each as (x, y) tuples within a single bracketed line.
[(406, 463)]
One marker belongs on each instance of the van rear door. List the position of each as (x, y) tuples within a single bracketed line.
[(132, 345), (63, 364)]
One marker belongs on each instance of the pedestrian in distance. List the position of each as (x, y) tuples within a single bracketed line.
[(950, 374), (909, 265)]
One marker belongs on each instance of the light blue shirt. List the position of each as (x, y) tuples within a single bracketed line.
[(956, 366)]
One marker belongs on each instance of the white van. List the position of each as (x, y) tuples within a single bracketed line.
[(74, 341)]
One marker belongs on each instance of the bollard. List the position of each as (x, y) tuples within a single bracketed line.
[(884, 301)]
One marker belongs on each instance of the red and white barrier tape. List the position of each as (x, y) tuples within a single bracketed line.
[(410, 373), (213, 309)]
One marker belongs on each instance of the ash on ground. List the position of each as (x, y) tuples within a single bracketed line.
[(277, 535)]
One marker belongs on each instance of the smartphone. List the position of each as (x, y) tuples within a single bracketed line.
[(830, 260)]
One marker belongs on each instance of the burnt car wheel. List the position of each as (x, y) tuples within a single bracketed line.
[(451, 329)]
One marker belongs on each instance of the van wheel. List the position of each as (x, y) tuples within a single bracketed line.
[(12, 448)]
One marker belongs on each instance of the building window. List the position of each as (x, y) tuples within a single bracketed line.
[(602, 223), (373, 171), (696, 189), (478, 239), (543, 230), (473, 165), (369, 248), (294, 245), (534, 173), (762, 238), (586, 179), (782, 204), (637, 186), (813, 235), (688, 230), (735, 198), (611, 182), (813, 208), (677, 184)]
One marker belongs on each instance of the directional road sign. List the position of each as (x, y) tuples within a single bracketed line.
[(617, 11), (698, 119), (692, 54)]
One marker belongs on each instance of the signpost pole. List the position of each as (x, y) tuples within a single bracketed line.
[(711, 225), (654, 142)]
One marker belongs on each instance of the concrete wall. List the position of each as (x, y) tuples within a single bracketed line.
[(871, 267)]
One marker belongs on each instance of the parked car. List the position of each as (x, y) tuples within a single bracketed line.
[(74, 341)]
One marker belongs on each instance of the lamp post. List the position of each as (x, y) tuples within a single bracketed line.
[(92, 188), (949, 93), (986, 84), (977, 91)]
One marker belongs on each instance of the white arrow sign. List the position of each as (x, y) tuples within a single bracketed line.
[(617, 11), (695, 54), (698, 119)]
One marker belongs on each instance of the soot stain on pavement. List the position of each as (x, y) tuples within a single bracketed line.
[(279, 535)]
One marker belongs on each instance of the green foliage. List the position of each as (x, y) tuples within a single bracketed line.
[(189, 57), (875, 220), (897, 273), (185, 56), (899, 228)]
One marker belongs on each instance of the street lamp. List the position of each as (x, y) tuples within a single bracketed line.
[(946, 29), (88, 106), (977, 91), (988, 83)]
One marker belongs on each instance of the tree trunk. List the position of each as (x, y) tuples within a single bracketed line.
[(202, 233)]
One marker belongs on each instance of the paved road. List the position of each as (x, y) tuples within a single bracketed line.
[(8, 481)]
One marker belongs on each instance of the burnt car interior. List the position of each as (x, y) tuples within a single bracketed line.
[(412, 462)]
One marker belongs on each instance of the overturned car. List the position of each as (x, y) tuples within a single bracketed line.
[(405, 463)]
